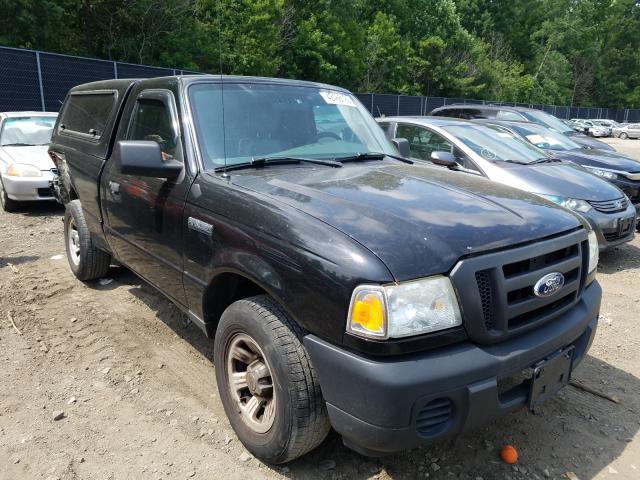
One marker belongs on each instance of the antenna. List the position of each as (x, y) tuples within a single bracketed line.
[(224, 132)]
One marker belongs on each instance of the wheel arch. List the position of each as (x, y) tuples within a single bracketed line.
[(228, 286)]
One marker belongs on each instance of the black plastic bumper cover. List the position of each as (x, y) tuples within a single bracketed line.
[(374, 402)]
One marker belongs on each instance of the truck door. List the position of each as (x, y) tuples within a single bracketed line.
[(143, 220)]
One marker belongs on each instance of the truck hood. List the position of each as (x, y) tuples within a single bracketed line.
[(418, 220), (599, 159), (33, 155), (562, 179)]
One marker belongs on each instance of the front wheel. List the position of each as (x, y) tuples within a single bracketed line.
[(267, 384), (624, 136), (87, 262), (8, 205)]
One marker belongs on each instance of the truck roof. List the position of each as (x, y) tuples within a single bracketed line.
[(123, 84)]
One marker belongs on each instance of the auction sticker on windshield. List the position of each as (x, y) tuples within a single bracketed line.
[(337, 98)]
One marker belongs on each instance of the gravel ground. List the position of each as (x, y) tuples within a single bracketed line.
[(135, 395)]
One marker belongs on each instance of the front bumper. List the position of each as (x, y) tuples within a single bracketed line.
[(379, 405), (25, 189), (610, 228)]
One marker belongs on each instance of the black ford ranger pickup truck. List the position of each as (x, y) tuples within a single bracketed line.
[(344, 286)]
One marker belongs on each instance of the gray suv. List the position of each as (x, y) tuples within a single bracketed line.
[(519, 114)]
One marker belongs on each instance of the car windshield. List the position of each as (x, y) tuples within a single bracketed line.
[(546, 120), (545, 138), (241, 122), (494, 143), (26, 131)]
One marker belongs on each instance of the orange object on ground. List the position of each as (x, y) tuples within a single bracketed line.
[(509, 454)]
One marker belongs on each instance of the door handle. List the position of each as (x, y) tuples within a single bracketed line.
[(115, 188)]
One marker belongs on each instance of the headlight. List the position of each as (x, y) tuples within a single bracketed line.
[(570, 203), (594, 251), (23, 170), (405, 309), (602, 173)]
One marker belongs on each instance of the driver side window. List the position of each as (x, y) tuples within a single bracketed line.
[(423, 142), (152, 121)]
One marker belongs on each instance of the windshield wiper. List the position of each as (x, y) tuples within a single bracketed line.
[(545, 160), (511, 161), (263, 161), (370, 156)]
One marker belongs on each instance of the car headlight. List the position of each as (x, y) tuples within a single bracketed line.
[(594, 251), (404, 309), (574, 204), (602, 173), (23, 170)]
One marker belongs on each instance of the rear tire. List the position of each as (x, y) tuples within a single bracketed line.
[(87, 262), (8, 205), (256, 337), (624, 136)]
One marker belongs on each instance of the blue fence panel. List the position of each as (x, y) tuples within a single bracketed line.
[(19, 86), (128, 70), (410, 105), (60, 73), (384, 104), (366, 99)]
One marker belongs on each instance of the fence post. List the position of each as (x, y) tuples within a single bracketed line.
[(398, 106), (42, 104), (115, 70)]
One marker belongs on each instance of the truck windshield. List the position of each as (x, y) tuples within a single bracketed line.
[(244, 121), (26, 131), (495, 143)]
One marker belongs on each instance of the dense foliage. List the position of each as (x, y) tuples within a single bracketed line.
[(577, 52)]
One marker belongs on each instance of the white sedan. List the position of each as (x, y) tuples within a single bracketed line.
[(25, 166)]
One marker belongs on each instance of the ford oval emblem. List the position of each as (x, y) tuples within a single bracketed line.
[(548, 285)]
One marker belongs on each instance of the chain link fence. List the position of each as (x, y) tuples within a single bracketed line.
[(33, 80), (389, 104)]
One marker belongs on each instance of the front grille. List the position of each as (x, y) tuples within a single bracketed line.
[(486, 297), (623, 230), (434, 417), (496, 290), (611, 206)]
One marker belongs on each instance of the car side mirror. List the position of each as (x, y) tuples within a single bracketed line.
[(402, 144), (145, 159), (444, 159)]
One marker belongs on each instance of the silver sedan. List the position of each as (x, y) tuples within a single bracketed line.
[(25, 166)]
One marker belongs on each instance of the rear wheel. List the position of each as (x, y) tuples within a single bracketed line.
[(267, 384), (8, 205), (87, 262), (624, 136)]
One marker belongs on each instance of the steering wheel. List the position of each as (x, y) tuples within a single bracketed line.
[(332, 135)]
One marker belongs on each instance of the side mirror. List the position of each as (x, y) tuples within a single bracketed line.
[(444, 159), (402, 144), (144, 158)]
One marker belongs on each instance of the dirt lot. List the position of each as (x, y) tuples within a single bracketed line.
[(139, 399)]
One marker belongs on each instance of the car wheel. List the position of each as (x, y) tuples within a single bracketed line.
[(624, 136), (87, 262), (8, 205), (267, 384)]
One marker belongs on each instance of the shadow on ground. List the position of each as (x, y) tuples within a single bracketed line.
[(624, 257), (574, 432)]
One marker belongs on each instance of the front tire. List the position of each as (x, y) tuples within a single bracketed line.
[(8, 205), (267, 384), (624, 136), (87, 262)]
